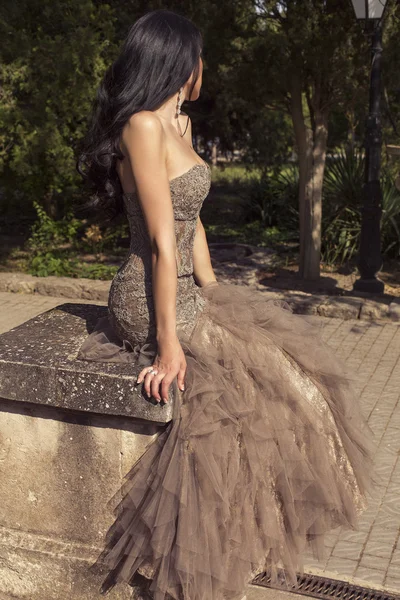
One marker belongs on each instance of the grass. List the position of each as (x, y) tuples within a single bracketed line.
[(223, 215)]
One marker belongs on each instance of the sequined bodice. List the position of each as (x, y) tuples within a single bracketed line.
[(131, 305), (188, 192)]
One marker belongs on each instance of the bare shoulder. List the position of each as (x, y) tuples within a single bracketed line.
[(144, 122), (143, 131)]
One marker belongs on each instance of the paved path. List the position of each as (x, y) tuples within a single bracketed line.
[(18, 308), (371, 554)]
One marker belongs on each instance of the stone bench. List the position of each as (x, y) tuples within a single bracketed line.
[(69, 432)]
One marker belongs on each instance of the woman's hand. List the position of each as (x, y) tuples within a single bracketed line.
[(169, 363)]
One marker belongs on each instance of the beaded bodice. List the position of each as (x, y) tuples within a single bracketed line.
[(188, 192), (131, 305)]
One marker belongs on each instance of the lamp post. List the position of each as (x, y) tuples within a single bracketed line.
[(370, 259)]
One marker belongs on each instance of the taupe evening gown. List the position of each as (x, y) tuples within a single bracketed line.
[(268, 448)]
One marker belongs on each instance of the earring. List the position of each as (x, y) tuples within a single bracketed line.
[(180, 102)]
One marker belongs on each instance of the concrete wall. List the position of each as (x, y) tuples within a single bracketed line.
[(58, 470)]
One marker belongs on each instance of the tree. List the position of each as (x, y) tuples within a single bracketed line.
[(55, 54), (313, 51)]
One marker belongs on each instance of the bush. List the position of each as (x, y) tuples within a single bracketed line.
[(52, 245), (47, 233), (272, 199), (343, 195)]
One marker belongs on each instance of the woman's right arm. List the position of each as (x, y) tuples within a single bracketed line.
[(144, 146)]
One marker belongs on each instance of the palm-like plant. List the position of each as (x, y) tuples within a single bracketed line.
[(341, 224), (390, 224), (272, 199)]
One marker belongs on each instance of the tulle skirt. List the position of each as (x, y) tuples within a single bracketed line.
[(267, 451)]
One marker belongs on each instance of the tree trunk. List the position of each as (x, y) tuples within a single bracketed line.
[(312, 156), (319, 161)]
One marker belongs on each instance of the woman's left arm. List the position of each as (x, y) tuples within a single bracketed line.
[(202, 268)]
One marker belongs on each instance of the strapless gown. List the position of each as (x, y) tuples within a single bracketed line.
[(268, 448)]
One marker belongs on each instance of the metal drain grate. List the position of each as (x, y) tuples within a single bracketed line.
[(315, 586)]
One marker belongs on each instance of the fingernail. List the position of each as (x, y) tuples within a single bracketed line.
[(182, 388), (148, 394), (165, 399)]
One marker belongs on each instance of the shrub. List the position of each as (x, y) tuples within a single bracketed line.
[(343, 196)]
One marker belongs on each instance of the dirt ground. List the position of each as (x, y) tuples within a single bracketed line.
[(332, 282), (266, 267)]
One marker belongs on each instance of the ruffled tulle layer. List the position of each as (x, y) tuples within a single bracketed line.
[(267, 451)]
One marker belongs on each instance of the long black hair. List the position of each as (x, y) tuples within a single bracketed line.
[(161, 51)]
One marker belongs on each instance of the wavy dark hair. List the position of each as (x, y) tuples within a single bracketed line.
[(161, 51)]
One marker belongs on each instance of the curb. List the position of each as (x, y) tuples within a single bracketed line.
[(342, 307), (59, 287)]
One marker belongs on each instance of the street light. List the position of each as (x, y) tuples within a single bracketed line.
[(369, 9), (370, 258)]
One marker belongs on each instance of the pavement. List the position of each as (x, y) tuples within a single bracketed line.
[(369, 556), (15, 309)]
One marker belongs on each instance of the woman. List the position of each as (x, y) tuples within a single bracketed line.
[(268, 448)]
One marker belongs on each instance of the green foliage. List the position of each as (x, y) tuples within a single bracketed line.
[(344, 176), (269, 204), (260, 202), (341, 236), (247, 233), (48, 233), (53, 246), (254, 53), (96, 271), (55, 54), (272, 198), (390, 223), (341, 217), (287, 185), (341, 228), (47, 264), (44, 244), (390, 75), (115, 236)]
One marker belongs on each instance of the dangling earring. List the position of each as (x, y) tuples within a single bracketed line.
[(178, 110), (180, 102)]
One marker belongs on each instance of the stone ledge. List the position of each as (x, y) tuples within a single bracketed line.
[(59, 287), (343, 307), (38, 365)]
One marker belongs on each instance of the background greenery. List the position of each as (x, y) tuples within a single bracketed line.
[(53, 56)]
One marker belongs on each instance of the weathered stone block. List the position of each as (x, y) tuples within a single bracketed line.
[(343, 308), (38, 364), (69, 432)]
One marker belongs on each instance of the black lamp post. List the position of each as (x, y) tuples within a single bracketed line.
[(370, 259)]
